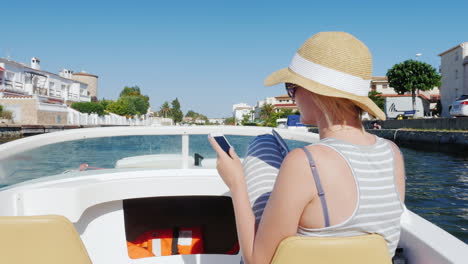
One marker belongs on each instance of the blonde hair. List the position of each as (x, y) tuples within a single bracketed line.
[(335, 109)]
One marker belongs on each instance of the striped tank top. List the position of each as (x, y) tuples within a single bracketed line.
[(378, 207)]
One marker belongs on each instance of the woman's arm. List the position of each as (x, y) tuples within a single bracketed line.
[(293, 190)]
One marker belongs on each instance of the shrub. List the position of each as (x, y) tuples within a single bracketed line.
[(88, 107), (1, 108), (119, 108), (6, 115)]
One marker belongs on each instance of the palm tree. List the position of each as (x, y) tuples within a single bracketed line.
[(165, 109), (266, 111)]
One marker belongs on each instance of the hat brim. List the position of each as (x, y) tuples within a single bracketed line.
[(287, 76)]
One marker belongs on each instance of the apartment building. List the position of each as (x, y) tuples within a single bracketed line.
[(240, 110), (38, 97), (454, 71), (278, 102)]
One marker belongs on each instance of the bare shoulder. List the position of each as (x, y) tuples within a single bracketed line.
[(320, 153), (295, 159), (295, 174)]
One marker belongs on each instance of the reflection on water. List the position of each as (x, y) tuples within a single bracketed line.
[(437, 183)]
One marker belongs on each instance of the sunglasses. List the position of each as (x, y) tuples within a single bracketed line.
[(291, 89)]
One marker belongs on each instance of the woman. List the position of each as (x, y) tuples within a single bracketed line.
[(350, 183)]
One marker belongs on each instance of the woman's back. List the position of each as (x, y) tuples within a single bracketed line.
[(360, 190)]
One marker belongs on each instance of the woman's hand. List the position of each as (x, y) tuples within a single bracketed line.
[(230, 168)]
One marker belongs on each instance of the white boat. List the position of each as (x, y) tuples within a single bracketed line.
[(104, 205)]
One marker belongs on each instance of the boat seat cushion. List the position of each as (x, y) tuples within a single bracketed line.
[(366, 249), (49, 239)]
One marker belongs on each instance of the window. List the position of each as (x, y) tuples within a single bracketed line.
[(384, 86), (10, 76), (28, 79), (456, 56), (456, 74), (58, 119), (51, 85)]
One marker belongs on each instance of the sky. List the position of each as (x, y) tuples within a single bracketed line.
[(213, 54)]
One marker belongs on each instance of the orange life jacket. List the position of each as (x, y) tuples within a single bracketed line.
[(166, 242)]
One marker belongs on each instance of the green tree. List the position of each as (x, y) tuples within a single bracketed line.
[(266, 111), (230, 121), (284, 113), (105, 102), (88, 107), (191, 114), (271, 121), (165, 109), (130, 91), (176, 113), (120, 108), (412, 75), (377, 98), (196, 116), (137, 104), (1, 108), (245, 119), (134, 102)]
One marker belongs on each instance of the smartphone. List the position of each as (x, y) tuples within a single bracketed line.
[(222, 142)]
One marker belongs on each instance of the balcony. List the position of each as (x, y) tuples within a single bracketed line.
[(85, 98), (12, 86), (39, 90), (73, 97)]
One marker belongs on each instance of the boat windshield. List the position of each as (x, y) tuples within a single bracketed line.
[(140, 151)]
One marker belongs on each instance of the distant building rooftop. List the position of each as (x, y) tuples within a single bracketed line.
[(449, 50), (379, 79), (85, 74), (21, 65), (283, 96)]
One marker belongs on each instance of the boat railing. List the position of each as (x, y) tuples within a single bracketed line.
[(18, 146)]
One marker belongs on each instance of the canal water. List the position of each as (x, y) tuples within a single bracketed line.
[(437, 183)]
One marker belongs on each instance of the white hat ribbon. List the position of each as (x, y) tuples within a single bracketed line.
[(330, 77)]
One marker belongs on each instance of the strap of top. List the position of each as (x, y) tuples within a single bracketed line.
[(320, 191)]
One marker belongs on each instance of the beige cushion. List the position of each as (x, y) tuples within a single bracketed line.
[(366, 249), (49, 239)]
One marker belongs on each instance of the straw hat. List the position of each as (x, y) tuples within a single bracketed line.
[(333, 64)]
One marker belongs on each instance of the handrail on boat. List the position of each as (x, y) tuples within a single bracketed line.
[(17, 146)]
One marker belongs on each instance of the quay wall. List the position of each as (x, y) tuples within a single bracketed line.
[(10, 132), (440, 141), (53, 118), (24, 109), (433, 123)]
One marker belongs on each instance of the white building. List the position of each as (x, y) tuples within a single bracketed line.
[(21, 79), (215, 120), (38, 97), (278, 103), (241, 109), (454, 70)]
